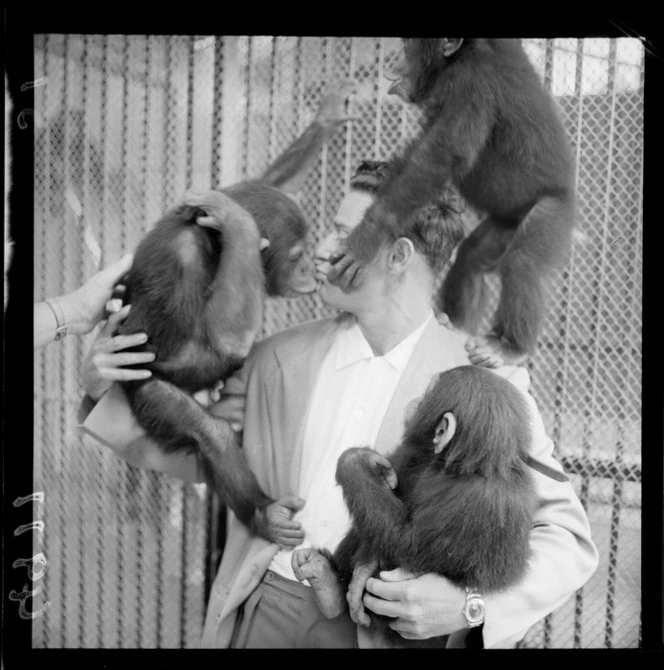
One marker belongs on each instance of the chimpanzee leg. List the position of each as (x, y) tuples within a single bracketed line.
[(541, 244), (317, 566), (176, 421), (463, 292)]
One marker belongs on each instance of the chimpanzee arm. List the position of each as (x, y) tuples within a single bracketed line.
[(234, 310), (445, 150), (367, 480), (290, 170)]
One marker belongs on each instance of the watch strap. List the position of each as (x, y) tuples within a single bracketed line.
[(60, 325)]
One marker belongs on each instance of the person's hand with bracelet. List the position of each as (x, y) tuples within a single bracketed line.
[(78, 312)]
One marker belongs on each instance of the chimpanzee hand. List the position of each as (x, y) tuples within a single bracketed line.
[(361, 573), (370, 461), (103, 364), (346, 271), (274, 522), (334, 103), (230, 407), (481, 353)]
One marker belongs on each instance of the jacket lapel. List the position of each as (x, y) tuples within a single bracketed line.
[(437, 350), (299, 371)]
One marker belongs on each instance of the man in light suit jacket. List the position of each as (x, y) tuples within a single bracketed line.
[(312, 391)]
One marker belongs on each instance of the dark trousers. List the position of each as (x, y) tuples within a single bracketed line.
[(283, 614)]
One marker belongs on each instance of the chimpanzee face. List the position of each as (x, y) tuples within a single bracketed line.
[(401, 75), (300, 281)]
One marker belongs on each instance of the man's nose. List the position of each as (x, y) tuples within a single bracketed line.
[(325, 248)]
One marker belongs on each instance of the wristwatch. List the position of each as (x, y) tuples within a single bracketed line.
[(473, 610)]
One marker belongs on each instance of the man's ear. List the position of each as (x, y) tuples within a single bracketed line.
[(401, 253), (444, 432)]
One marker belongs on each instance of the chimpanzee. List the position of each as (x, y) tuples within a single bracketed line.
[(493, 131), (455, 497), (197, 287)]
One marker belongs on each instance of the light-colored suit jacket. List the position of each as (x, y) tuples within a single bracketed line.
[(278, 380)]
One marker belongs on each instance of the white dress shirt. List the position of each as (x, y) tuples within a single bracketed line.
[(352, 393)]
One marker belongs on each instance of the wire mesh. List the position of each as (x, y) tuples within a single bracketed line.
[(126, 124)]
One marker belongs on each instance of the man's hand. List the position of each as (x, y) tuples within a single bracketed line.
[(104, 362), (422, 607), (84, 307), (334, 104), (274, 522)]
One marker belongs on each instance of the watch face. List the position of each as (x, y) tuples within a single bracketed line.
[(475, 609)]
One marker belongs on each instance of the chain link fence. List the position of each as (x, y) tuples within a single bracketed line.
[(126, 124)]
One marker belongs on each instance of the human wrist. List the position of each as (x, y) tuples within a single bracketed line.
[(474, 607), (59, 318), (73, 312)]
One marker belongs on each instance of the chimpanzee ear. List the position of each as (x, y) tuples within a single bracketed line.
[(450, 45), (444, 432)]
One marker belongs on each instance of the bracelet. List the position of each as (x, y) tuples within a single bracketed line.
[(61, 326)]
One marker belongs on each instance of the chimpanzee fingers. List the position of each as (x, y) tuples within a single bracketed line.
[(294, 503), (390, 477), (486, 359), (480, 353), (356, 273), (289, 540), (337, 273), (356, 609), (287, 526)]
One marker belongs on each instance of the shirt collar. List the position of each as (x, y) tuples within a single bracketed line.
[(353, 347)]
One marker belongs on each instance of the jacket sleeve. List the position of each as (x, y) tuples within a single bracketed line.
[(111, 422), (563, 554)]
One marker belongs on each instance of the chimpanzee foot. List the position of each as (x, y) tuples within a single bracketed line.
[(492, 352), (312, 565)]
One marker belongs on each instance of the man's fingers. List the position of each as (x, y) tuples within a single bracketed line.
[(114, 320), (123, 375), (396, 575), (380, 606), (115, 271), (105, 360), (120, 342)]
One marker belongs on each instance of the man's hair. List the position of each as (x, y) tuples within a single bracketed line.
[(434, 229)]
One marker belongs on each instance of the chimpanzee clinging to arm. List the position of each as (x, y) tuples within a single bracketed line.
[(197, 287), (455, 498), (493, 131)]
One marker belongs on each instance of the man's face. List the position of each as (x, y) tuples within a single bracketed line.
[(350, 213)]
